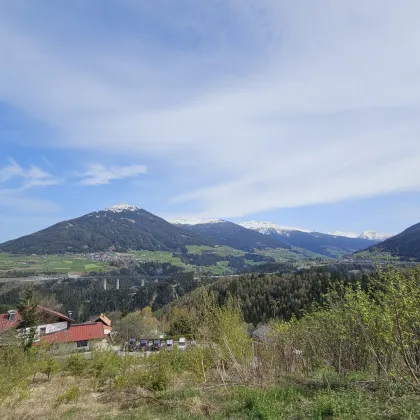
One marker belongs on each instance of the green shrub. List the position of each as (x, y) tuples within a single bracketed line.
[(16, 368), (77, 365), (71, 394), (155, 378), (105, 366)]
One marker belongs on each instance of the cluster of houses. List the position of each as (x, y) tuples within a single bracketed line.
[(61, 332)]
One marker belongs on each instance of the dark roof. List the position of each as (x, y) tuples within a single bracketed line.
[(5, 323), (57, 314)]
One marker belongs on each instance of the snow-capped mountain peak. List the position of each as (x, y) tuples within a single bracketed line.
[(345, 234), (374, 236), (118, 208), (193, 221), (367, 234), (269, 227)]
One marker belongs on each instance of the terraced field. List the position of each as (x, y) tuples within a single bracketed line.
[(49, 263)]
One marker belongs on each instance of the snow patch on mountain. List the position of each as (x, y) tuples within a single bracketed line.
[(374, 236), (367, 234), (345, 234), (268, 227), (118, 208), (194, 221)]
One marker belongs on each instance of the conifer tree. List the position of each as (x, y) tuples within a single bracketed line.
[(28, 310)]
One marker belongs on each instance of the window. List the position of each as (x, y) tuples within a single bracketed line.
[(42, 330), (83, 343)]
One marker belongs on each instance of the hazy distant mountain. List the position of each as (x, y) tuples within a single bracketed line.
[(367, 234), (121, 227), (405, 245), (222, 232), (320, 243)]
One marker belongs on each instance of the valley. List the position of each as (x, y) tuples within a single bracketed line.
[(124, 234), (240, 293)]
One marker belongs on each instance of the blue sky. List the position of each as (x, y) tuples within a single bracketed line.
[(301, 113)]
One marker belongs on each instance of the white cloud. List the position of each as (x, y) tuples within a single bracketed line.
[(10, 171), (324, 107), (15, 180), (97, 174), (30, 177)]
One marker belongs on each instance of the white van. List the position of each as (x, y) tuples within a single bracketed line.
[(182, 345)]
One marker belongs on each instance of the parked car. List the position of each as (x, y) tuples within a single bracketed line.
[(156, 345), (182, 344), (169, 344), (143, 345), (131, 344)]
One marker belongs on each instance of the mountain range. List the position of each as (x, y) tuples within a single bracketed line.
[(367, 234), (226, 233), (124, 227), (222, 232)]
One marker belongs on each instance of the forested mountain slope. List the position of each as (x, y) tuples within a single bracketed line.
[(405, 245), (118, 228), (222, 232)]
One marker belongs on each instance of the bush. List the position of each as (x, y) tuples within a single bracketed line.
[(71, 394), (107, 365), (16, 367), (155, 378), (77, 365)]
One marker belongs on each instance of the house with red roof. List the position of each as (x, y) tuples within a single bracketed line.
[(79, 337), (60, 331), (105, 321), (49, 321)]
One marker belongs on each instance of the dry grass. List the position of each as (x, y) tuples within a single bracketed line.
[(41, 402)]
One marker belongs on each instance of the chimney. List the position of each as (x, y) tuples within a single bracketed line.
[(118, 284), (104, 284), (11, 315)]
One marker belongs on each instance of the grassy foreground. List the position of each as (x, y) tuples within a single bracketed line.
[(168, 387)]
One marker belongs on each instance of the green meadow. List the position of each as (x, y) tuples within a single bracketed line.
[(49, 263)]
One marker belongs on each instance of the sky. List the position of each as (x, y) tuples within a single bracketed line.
[(303, 113)]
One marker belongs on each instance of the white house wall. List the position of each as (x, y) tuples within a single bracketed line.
[(67, 348), (52, 328)]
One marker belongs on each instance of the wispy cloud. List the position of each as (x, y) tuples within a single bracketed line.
[(97, 174), (32, 176), (10, 171), (16, 180), (287, 104)]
